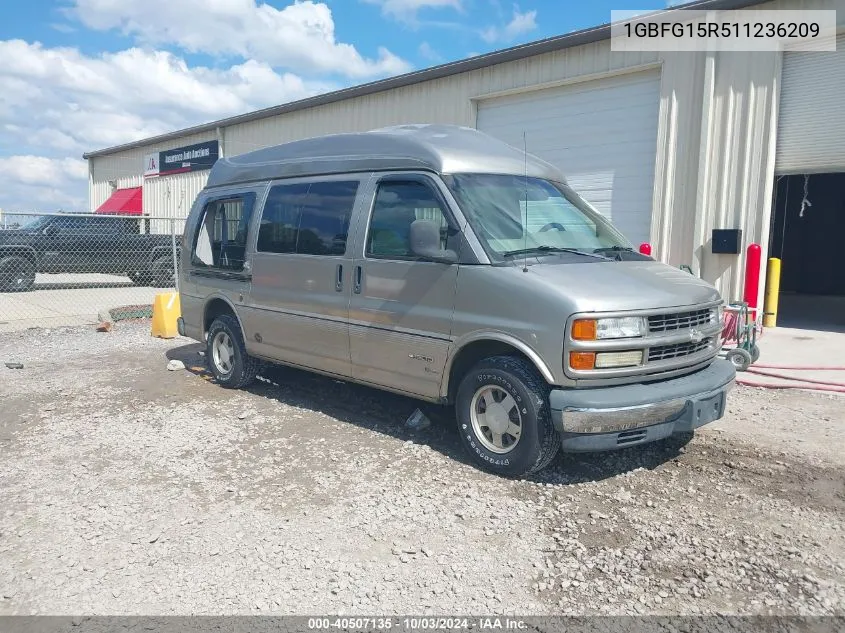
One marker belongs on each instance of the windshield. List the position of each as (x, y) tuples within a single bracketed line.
[(515, 214), (36, 224)]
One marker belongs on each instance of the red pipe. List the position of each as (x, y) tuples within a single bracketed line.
[(754, 370), (752, 274), (799, 367)]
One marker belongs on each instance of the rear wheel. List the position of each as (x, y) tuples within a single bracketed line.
[(504, 420), (226, 354), (17, 274)]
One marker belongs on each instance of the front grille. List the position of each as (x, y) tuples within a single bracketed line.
[(676, 350), (659, 323)]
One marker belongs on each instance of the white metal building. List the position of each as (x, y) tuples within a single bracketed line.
[(669, 145)]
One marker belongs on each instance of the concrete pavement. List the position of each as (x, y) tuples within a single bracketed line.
[(799, 348), (66, 300)]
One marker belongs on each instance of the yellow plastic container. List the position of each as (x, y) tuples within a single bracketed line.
[(166, 309)]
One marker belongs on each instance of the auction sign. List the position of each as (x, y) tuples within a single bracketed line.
[(183, 159)]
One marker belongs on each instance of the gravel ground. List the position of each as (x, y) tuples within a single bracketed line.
[(126, 488)]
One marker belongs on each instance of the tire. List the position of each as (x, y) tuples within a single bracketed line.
[(161, 273), (17, 274), (755, 353), (502, 377), (239, 369), (740, 358)]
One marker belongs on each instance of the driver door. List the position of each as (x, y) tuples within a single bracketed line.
[(63, 250)]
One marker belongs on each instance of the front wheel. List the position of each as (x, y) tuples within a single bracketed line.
[(162, 273), (226, 354), (504, 420), (17, 274)]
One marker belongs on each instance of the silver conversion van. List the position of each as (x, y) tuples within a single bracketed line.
[(436, 262)]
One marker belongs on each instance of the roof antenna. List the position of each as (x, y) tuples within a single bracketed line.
[(525, 224)]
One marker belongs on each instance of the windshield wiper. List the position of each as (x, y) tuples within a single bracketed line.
[(549, 249), (613, 249)]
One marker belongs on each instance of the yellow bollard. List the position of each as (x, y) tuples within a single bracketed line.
[(770, 303), (166, 309)]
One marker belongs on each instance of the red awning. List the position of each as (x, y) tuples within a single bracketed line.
[(123, 202)]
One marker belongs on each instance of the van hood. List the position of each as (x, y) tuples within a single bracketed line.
[(624, 285)]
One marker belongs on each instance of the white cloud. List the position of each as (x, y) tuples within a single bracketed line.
[(299, 36), (57, 103), (40, 183), (520, 24), (406, 10), (427, 52), (39, 170)]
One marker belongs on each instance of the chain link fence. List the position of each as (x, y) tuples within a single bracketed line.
[(59, 269)]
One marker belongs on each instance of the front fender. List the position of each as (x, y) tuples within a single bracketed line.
[(499, 337)]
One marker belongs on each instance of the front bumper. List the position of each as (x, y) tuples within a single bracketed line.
[(610, 418)]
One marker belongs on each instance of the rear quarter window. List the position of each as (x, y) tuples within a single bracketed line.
[(222, 233)]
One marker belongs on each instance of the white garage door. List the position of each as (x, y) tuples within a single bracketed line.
[(602, 134), (811, 119)]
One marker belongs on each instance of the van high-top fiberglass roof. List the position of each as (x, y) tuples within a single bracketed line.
[(445, 149)]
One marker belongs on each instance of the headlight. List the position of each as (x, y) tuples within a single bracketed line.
[(600, 329), (720, 314)]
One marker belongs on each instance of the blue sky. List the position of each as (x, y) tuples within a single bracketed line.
[(85, 74)]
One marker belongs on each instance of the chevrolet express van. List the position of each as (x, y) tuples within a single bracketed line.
[(436, 262)]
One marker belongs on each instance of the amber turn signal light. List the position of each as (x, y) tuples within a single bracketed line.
[(582, 360), (584, 330)]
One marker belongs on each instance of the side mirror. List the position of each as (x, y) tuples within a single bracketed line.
[(425, 242)]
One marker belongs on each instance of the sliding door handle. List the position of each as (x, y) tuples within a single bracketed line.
[(359, 275), (338, 279)]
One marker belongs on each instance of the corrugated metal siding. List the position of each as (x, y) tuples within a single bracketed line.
[(171, 197), (811, 127), (676, 165), (736, 143), (416, 104)]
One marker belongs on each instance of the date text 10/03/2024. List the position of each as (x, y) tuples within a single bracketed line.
[(416, 623)]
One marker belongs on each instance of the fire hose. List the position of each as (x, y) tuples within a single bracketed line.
[(799, 383)]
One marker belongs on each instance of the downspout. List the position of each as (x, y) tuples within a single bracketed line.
[(90, 185), (221, 142), (704, 187)]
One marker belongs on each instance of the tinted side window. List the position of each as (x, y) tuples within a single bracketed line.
[(280, 218), (67, 224), (102, 226), (397, 205), (324, 223), (222, 235), (310, 219)]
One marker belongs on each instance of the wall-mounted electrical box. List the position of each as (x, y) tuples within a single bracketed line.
[(727, 241)]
